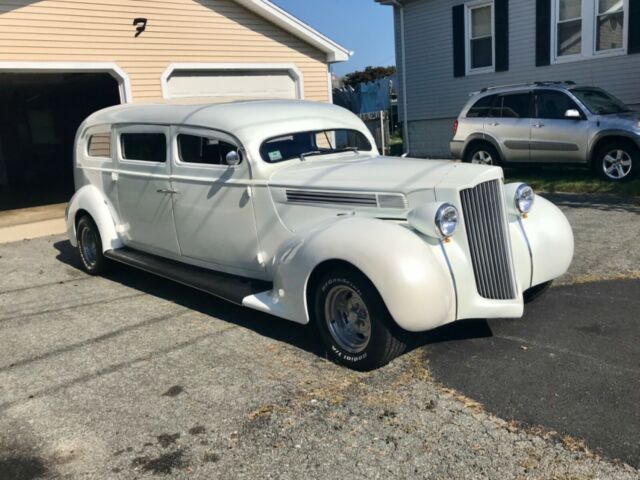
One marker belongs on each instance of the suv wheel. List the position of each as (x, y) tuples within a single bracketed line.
[(617, 161), (90, 246), (482, 154), (354, 322)]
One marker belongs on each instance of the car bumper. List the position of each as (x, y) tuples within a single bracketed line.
[(455, 147)]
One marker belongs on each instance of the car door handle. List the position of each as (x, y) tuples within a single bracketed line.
[(494, 124), (163, 190), (538, 125)]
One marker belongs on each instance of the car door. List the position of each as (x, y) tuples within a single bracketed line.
[(554, 136), (144, 189), (213, 210), (509, 124)]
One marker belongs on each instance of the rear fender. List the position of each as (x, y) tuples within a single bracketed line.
[(92, 201)]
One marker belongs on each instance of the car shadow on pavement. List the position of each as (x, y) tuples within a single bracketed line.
[(301, 336)]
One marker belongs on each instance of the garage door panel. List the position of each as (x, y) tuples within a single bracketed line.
[(231, 85)]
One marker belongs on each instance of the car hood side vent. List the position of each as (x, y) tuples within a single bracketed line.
[(383, 200)]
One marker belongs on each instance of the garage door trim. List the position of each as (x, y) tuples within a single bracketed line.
[(124, 83), (289, 68)]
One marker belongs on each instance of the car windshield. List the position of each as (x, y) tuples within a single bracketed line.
[(301, 145), (600, 102)]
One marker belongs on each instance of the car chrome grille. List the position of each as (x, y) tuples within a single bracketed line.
[(484, 215)]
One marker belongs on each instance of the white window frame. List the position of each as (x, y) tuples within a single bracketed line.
[(589, 25), (469, 7)]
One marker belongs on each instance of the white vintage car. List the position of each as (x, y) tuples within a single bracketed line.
[(288, 208)]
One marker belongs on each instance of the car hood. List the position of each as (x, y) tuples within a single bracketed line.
[(379, 173)]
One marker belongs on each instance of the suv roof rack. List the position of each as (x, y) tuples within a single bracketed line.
[(528, 84)]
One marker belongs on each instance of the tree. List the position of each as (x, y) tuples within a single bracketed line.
[(369, 74)]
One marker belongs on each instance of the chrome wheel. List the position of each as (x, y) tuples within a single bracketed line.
[(347, 319), (482, 157), (89, 246), (617, 164)]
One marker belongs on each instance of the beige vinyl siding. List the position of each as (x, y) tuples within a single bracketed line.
[(178, 31)]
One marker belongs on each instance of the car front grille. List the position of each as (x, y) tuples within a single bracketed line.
[(484, 215)]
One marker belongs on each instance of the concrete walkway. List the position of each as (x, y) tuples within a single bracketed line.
[(28, 223)]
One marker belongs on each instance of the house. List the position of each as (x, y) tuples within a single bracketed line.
[(61, 60), (447, 49)]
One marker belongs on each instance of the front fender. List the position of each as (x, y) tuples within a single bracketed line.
[(550, 241), (91, 200), (411, 275)]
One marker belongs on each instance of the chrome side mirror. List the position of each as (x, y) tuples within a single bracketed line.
[(572, 113), (232, 158)]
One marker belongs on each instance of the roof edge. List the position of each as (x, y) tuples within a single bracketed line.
[(283, 19)]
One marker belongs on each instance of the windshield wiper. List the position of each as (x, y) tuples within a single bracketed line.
[(303, 156)]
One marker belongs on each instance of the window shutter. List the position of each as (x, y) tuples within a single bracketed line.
[(501, 19), (543, 32), (633, 44), (459, 58)]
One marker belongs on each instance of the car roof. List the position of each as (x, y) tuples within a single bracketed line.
[(234, 117)]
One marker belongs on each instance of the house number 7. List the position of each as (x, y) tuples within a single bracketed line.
[(141, 25)]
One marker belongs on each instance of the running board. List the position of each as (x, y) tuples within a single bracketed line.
[(226, 286)]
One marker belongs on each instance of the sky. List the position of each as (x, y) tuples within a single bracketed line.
[(362, 26)]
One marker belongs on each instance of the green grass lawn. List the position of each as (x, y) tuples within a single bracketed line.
[(570, 180)]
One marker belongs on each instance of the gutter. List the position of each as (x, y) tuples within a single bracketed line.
[(405, 121)]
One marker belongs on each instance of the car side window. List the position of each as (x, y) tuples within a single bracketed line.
[(99, 145), (514, 105), (145, 147), (482, 107), (553, 105), (203, 150)]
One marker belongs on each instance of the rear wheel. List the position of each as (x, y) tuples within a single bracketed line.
[(354, 322), (90, 246), (617, 161), (482, 154)]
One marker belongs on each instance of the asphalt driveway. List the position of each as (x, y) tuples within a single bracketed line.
[(132, 376)]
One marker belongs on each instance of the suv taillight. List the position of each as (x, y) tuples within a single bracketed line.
[(455, 127)]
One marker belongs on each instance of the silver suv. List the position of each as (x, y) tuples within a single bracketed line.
[(549, 123)]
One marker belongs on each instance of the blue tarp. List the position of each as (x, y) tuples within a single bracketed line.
[(366, 97)]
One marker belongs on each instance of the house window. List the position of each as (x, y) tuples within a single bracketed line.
[(585, 28), (610, 25), (479, 29), (568, 27)]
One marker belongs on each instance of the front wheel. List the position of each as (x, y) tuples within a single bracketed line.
[(354, 322), (90, 246), (533, 293), (617, 161)]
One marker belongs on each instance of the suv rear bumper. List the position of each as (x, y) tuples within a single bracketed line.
[(455, 147)]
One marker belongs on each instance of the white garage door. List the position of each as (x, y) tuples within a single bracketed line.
[(228, 85)]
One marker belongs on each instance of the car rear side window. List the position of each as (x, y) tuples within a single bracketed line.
[(203, 150), (99, 145), (515, 105), (145, 147), (482, 107), (553, 105)]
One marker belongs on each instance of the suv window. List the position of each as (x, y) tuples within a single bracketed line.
[(99, 145), (553, 105), (204, 150), (482, 107), (514, 105), (146, 147)]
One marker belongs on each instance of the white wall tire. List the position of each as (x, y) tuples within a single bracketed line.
[(353, 322)]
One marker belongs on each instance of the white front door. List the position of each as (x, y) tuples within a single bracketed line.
[(144, 189), (213, 208)]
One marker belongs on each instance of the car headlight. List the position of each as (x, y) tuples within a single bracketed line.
[(447, 219), (524, 198), (438, 220)]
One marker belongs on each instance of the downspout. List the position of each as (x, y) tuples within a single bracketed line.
[(405, 121)]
